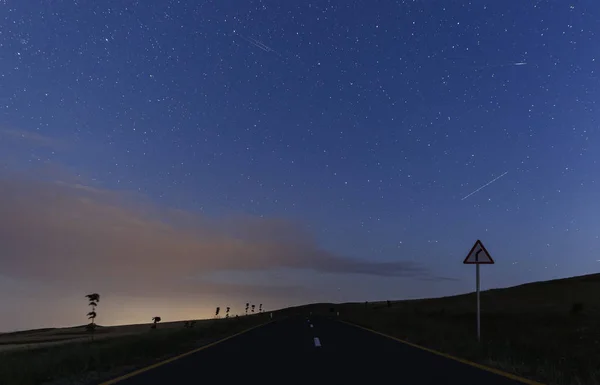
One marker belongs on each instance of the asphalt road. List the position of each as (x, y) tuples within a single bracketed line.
[(287, 352)]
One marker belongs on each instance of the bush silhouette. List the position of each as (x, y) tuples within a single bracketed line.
[(577, 308), (189, 324)]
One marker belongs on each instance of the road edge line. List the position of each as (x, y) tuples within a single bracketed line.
[(161, 363), (445, 355)]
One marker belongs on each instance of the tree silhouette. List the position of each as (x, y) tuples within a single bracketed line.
[(253, 308), (227, 312), (217, 312), (155, 320), (93, 299), (260, 308), (247, 304)]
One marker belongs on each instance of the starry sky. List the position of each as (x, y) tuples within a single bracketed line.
[(175, 156)]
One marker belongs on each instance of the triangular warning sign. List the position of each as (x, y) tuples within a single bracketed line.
[(478, 255)]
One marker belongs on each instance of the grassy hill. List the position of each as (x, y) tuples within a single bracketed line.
[(40, 338)]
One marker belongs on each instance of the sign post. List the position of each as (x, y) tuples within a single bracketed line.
[(478, 256), (478, 304)]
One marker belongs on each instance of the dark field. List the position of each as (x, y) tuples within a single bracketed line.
[(86, 362)]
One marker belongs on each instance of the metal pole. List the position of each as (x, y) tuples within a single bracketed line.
[(478, 308)]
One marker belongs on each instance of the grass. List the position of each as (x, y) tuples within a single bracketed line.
[(38, 340), (544, 331), (90, 362)]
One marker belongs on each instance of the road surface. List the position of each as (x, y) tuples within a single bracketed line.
[(314, 350)]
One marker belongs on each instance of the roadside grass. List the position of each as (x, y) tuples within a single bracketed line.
[(89, 361), (39, 340), (553, 347)]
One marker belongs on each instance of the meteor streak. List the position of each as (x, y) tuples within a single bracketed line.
[(485, 185)]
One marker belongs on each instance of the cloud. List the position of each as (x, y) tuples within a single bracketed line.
[(236, 290), (70, 234)]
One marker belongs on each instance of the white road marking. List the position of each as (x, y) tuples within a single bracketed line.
[(317, 342)]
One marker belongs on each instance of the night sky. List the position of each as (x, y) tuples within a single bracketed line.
[(175, 156)]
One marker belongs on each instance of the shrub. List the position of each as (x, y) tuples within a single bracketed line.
[(576, 308)]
